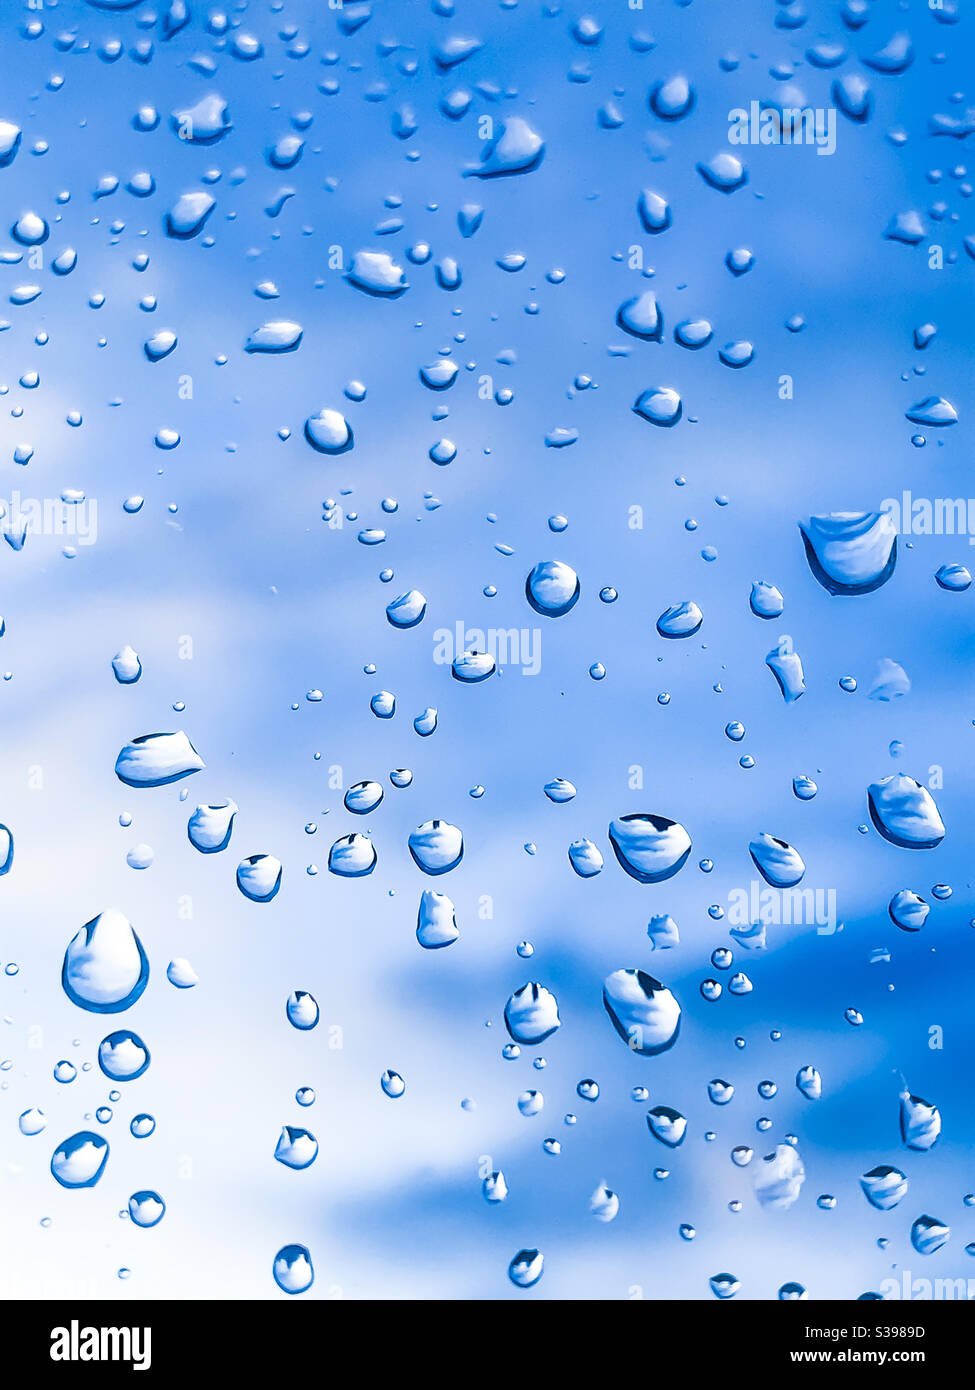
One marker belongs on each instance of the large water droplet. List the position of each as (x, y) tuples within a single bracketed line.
[(123, 1055), (517, 149), (928, 1234), (436, 846), (292, 1269), (667, 1125), (884, 1186), (259, 877), (851, 552), (650, 848), (296, 1148), (210, 826), (779, 864), (680, 620), (105, 969), (352, 856), (643, 1011), (526, 1268), (153, 760), (532, 1014), (552, 588), (80, 1160), (905, 813)]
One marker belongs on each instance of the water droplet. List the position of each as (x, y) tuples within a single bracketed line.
[(123, 1056), (209, 827), (292, 1269), (532, 1014), (436, 846), (851, 552), (643, 1011), (105, 969), (650, 848), (259, 877), (884, 1187), (80, 1160), (905, 813), (154, 760)]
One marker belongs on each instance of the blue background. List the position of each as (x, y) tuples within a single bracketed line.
[(278, 603)]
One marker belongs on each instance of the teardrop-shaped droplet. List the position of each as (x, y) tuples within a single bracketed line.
[(187, 216), (641, 317), (933, 411), (517, 149), (779, 864), (955, 578), (765, 600), (680, 620), (105, 969), (920, 1122), (724, 173), (659, 405), (302, 1010), (667, 1125), (654, 212)]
